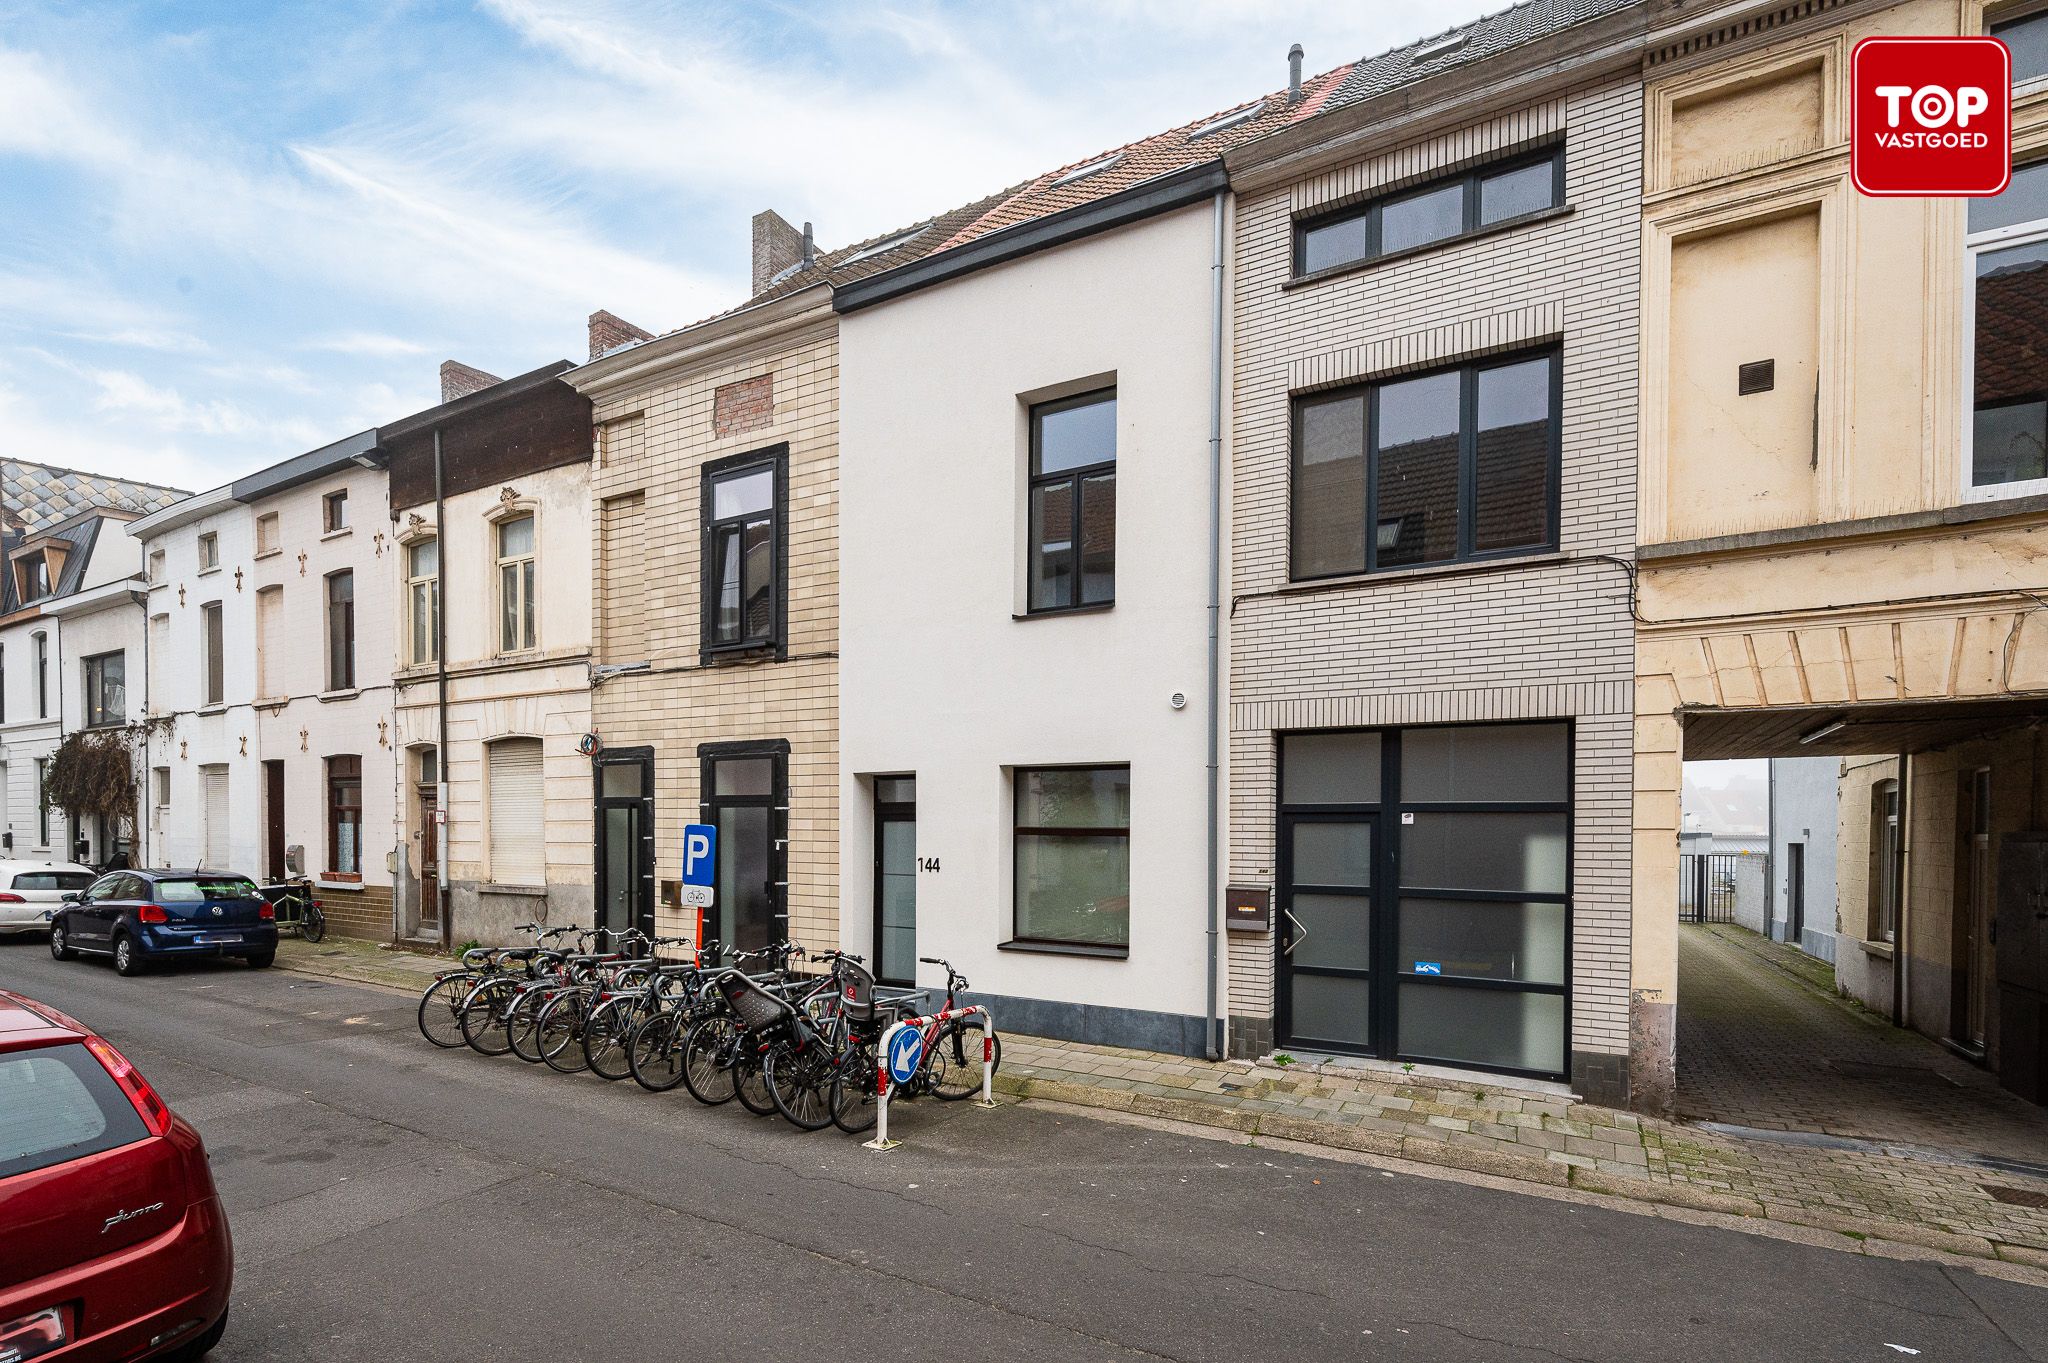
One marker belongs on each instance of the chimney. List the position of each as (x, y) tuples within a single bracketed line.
[(608, 332), (777, 246), (1294, 55), (460, 380)]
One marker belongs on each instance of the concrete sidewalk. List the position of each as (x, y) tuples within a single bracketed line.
[(1861, 1190)]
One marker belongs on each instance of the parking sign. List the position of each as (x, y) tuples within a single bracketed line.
[(700, 864)]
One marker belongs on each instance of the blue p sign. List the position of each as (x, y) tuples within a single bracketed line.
[(700, 864)]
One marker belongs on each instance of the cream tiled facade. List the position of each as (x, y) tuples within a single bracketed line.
[(1543, 636), (753, 381)]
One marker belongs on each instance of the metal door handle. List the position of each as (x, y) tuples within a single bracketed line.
[(1294, 939)]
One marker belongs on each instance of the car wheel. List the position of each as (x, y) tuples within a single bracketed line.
[(127, 960), (257, 962), (58, 947)]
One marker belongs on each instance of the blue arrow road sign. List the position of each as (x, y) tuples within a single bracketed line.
[(906, 1048), (700, 864)]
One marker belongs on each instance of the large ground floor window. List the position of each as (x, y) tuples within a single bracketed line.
[(1425, 894)]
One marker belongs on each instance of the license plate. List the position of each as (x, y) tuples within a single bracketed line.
[(208, 939), (33, 1336)]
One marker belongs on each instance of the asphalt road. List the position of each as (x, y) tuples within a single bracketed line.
[(391, 1201)]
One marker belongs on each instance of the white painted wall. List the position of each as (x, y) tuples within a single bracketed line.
[(939, 679), (27, 736), (314, 723), (115, 627)]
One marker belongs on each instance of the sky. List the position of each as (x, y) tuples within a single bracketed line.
[(235, 230)]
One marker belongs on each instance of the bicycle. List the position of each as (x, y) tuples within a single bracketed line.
[(609, 1026), (298, 912), (440, 1010), (948, 1069)]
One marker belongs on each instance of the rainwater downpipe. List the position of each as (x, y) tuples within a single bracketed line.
[(1905, 895), (441, 557), (1212, 715)]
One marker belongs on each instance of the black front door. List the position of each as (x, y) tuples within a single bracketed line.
[(745, 795), (1327, 875), (896, 879), (625, 839)]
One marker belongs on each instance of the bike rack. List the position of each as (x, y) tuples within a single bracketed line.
[(883, 1085)]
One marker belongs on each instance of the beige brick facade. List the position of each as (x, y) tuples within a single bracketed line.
[(1543, 636), (658, 419)]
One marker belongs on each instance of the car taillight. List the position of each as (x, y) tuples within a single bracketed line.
[(152, 913), (266, 910), (154, 1114), (7, 897)]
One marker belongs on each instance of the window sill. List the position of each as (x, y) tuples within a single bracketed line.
[(769, 649), (1092, 608), (1540, 559), (1883, 951), (208, 572), (1302, 281), (523, 891), (340, 693), (217, 708), (337, 534), (262, 554), (158, 586), (338, 880), (271, 702), (1067, 949)]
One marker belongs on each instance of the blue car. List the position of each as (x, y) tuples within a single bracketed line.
[(138, 917)]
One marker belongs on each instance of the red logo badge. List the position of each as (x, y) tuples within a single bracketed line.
[(1930, 117)]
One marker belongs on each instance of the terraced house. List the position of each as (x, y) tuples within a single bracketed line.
[(1434, 338), (1843, 509)]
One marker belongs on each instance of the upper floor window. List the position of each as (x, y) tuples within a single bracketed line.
[(209, 551), (212, 656), (423, 599), (334, 511), (341, 631), (515, 586), (743, 506), (106, 690), (1458, 464), (156, 566), (268, 540), (42, 642), (2027, 39), (1440, 211), (2008, 282), (32, 576), (1073, 502)]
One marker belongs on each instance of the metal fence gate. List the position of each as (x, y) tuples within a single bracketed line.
[(1706, 887)]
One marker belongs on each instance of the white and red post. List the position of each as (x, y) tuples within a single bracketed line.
[(883, 1084)]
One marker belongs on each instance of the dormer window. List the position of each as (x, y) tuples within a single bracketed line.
[(32, 576)]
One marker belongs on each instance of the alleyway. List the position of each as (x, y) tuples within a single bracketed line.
[(1763, 1042)]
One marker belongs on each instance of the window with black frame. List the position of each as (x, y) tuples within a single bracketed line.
[(2007, 251), (1073, 857), (1441, 211), (1072, 555), (345, 815), (743, 508), (106, 690), (341, 631), (1457, 464)]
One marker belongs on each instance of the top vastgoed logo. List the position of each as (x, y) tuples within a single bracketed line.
[(1930, 117)]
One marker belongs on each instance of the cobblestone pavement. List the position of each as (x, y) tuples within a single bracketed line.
[(1860, 1190), (1764, 1041)]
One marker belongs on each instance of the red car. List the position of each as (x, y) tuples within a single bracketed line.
[(113, 1244)]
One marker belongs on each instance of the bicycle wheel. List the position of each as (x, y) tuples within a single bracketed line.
[(799, 1078), (441, 1010), (312, 922), (853, 1089), (707, 1059), (522, 1023), (955, 1063), (750, 1079), (560, 1031), (483, 1016), (605, 1033), (654, 1052)]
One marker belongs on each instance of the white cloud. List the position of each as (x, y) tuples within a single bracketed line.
[(371, 343)]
